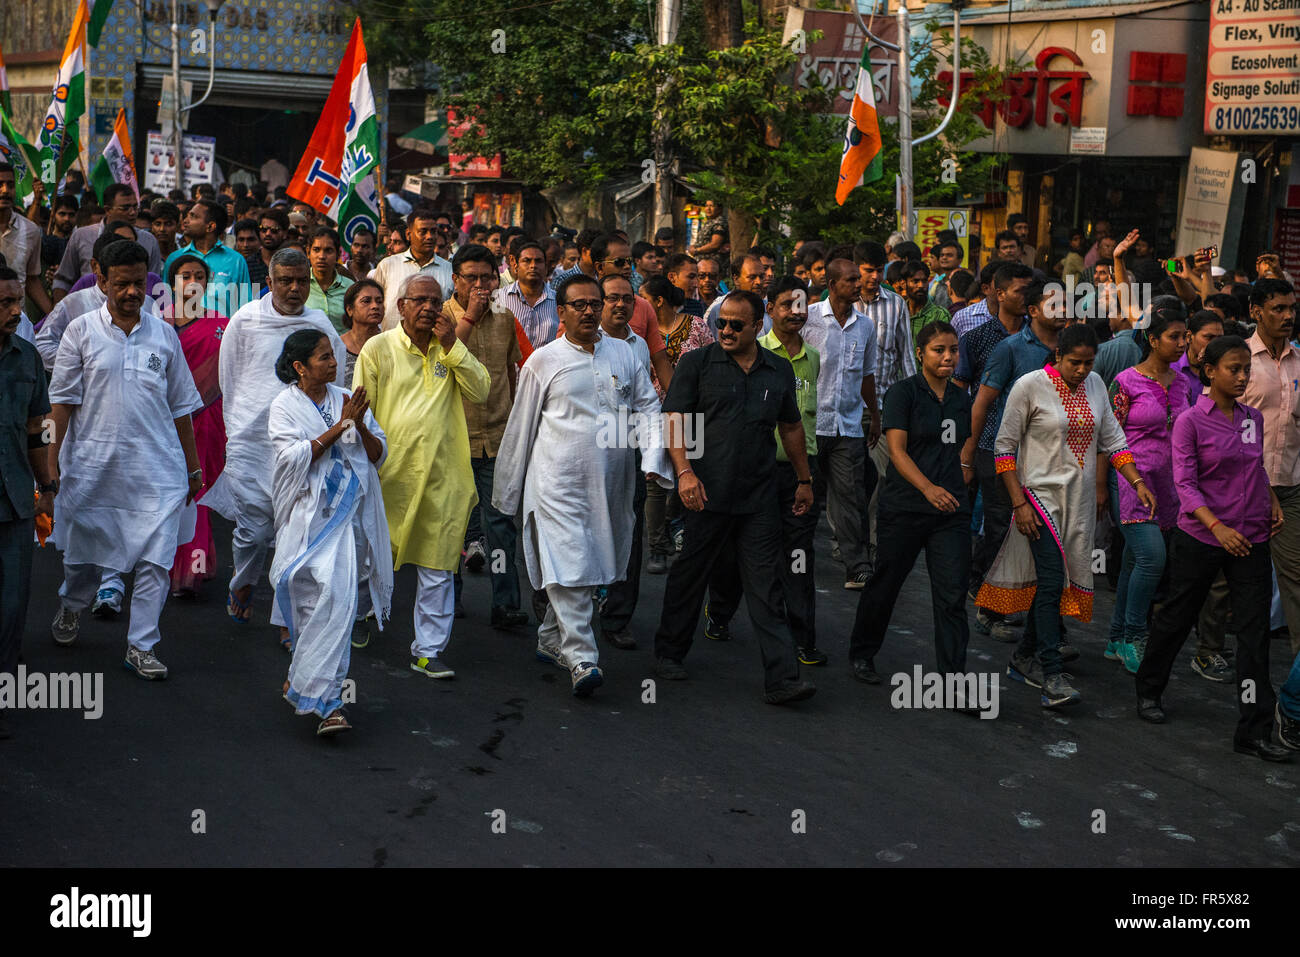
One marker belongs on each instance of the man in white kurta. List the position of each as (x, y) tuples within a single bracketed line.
[(121, 398), (249, 349), (108, 599), (568, 458)]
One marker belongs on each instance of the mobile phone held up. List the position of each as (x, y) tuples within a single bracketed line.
[(1204, 254)]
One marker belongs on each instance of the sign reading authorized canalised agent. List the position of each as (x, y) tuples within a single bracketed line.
[(1252, 76)]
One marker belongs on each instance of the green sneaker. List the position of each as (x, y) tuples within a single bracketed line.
[(1112, 651), (1129, 655)]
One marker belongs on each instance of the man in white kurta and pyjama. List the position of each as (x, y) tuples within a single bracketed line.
[(249, 349), (108, 600), (567, 456), (121, 399)]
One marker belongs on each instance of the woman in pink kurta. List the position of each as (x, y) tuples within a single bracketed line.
[(200, 332), (1146, 400)]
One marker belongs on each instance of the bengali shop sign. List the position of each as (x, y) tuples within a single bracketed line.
[(834, 59), (1252, 77)]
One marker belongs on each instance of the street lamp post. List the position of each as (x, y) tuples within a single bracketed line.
[(177, 108)]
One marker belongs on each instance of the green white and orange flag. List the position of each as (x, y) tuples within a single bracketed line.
[(860, 162), (116, 164), (98, 15), (22, 156), (59, 141), (337, 172), (4, 86)]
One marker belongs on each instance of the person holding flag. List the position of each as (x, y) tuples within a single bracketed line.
[(116, 164)]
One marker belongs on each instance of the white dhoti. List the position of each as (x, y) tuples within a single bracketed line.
[(147, 597), (567, 625), (435, 610)]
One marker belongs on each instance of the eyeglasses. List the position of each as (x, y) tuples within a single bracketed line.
[(618, 299), (584, 305), (476, 280), (735, 325), (422, 301), (619, 263)]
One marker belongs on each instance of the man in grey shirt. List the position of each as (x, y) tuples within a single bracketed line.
[(120, 205)]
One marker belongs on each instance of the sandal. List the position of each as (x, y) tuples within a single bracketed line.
[(335, 723), (240, 612)]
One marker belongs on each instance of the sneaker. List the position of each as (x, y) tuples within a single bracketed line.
[(475, 556), (1288, 729), (1128, 654), (679, 536), (715, 630), (1057, 691), (864, 669), (1112, 651), (658, 563), (1028, 670), (1212, 667), (551, 656), (503, 617), (107, 604), (789, 691), (997, 629), (858, 581), (433, 667), (360, 633), (65, 626), (144, 663), (811, 656), (1067, 651), (586, 679)]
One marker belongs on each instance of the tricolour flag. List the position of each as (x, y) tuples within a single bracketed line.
[(59, 141), (4, 86), (336, 173), (115, 165), (860, 162), (98, 15), (22, 156)]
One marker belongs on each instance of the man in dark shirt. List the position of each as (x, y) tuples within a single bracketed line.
[(24, 403), (739, 393)]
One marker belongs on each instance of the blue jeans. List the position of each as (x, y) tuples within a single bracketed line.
[(1288, 695), (500, 535), (1042, 635), (1139, 576)]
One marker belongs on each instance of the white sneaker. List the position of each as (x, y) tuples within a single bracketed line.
[(65, 626)]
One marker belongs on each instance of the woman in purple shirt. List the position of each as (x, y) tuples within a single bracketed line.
[(1202, 329), (1146, 399), (1226, 514)]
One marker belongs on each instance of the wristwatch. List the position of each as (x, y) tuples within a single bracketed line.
[(51, 487), (196, 474)]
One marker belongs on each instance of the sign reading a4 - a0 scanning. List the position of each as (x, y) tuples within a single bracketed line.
[(1252, 77)]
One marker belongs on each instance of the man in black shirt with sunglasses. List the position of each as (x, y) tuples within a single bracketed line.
[(725, 402)]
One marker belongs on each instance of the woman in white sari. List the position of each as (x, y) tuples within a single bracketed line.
[(1056, 422), (331, 532)]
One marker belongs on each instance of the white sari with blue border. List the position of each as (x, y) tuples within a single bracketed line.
[(331, 535)]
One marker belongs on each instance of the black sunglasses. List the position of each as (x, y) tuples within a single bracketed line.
[(620, 263), (735, 325)]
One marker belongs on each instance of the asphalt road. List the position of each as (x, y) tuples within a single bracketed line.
[(708, 774)]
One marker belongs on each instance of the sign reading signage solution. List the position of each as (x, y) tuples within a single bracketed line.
[(1252, 77)]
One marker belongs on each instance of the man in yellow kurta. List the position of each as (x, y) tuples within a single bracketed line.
[(417, 377)]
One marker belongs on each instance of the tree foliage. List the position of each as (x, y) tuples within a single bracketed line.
[(574, 95)]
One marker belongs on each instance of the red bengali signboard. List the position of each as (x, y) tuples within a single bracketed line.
[(834, 59), (463, 164)]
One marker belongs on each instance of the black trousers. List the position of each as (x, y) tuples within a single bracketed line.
[(1193, 566), (900, 537), (755, 540), (796, 571), (621, 597), (997, 516), (16, 550)]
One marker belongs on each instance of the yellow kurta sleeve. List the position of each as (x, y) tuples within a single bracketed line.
[(471, 375)]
